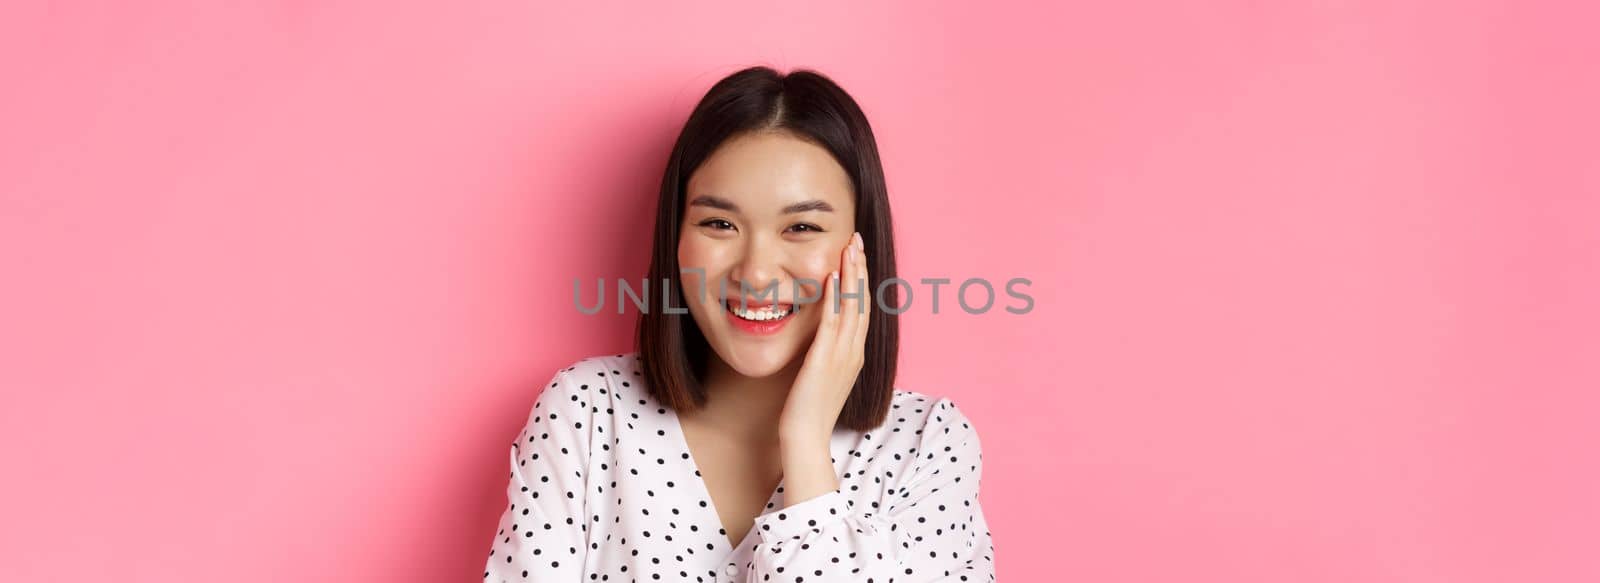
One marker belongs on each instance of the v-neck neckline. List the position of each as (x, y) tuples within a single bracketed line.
[(729, 546)]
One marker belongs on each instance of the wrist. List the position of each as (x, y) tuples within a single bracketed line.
[(803, 433), (808, 467)]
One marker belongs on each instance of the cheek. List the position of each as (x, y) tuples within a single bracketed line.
[(815, 265), (818, 262), (703, 254)]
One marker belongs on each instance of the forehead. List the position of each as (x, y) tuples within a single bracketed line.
[(764, 171)]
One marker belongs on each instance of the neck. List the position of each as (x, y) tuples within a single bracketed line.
[(743, 405)]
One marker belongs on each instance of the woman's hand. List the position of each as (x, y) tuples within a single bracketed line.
[(836, 355)]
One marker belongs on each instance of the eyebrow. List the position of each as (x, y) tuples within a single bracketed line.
[(718, 202)]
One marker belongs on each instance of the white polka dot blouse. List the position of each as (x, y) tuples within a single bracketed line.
[(603, 488)]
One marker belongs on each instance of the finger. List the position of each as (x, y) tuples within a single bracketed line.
[(821, 351), (852, 278), (865, 317), (861, 313), (830, 317), (838, 305)]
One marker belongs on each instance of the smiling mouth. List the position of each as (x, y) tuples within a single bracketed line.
[(771, 313)]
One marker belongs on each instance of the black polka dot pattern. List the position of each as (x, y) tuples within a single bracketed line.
[(603, 488)]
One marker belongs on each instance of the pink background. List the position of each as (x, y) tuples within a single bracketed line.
[(1316, 284)]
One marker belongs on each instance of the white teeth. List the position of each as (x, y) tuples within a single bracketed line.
[(759, 315)]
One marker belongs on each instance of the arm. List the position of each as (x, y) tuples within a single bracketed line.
[(543, 535), (931, 530)]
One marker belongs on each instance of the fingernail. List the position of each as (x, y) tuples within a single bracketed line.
[(857, 241)]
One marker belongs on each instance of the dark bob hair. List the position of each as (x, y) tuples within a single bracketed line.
[(810, 106)]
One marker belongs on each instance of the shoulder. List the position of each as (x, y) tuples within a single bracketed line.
[(605, 370), (600, 368), (937, 422), (595, 380), (577, 392), (937, 443), (926, 411), (583, 381)]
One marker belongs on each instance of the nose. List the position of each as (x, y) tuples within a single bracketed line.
[(761, 266)]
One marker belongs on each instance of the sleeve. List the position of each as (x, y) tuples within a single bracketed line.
[(543, 535), (930, 530)]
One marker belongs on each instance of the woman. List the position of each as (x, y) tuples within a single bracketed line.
[(760, 439)]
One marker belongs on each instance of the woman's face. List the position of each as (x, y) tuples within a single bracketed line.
[(765, 208)]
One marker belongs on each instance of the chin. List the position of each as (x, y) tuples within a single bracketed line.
[(756, 359)]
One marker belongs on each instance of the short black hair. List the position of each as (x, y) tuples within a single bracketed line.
[(810, 106)]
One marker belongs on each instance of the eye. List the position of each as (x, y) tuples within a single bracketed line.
[(715, 224), (807, 227)]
